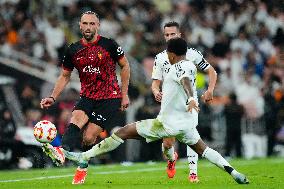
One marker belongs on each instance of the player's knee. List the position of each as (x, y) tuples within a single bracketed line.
[(79, 118), (167, 144)]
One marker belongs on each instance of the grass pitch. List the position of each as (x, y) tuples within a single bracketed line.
[(262, 173)]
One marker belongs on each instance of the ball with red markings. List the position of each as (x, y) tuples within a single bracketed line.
[(45, 131)]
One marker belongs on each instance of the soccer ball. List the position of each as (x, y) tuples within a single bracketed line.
[(45, 131)]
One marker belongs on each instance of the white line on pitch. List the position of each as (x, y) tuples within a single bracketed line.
[(97, 173), (249, 162)]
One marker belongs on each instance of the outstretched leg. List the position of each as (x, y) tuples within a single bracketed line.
[(116, 139), (214, 157)]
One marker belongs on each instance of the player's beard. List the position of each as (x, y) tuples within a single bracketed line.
[(89, 36)]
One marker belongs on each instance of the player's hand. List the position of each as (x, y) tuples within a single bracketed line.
[(193, 105), (207, 96), (158, 96), (46, 102), (124, 103)]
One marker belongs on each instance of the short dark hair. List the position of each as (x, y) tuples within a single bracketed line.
[(177, 46), (172, 24), (90, 12)]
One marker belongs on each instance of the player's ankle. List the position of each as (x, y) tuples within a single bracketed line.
[(79, 168)]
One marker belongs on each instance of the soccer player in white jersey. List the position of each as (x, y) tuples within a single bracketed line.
[(160, 70), (177, 118)]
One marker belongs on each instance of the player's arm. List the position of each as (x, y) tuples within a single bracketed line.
[(156, 89), (203, 65), (186, 84), (125, 75), (60, 84), (212, 74), (157, 76)]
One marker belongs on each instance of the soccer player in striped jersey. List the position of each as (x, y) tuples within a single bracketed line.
[(160, 70)]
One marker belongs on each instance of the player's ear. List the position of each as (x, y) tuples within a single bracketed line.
[(79, 24), (170, 56)]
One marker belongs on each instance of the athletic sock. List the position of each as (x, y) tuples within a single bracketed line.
[(215, 158), (104, 146), (87, 147), (71, 138), (192, 157), (169, 152), (83, 166)]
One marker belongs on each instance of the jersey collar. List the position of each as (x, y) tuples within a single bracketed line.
[(90, 44)]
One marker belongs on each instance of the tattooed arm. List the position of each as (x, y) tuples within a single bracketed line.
[(192, 104)]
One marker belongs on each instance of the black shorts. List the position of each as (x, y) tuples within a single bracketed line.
[(100, 112)]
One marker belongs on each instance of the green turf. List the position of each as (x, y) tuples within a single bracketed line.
[(262, 173)]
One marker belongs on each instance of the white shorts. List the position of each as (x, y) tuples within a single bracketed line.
[(153, 129)]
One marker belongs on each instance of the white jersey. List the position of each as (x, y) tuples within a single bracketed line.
[(162, 64), (173, 113)]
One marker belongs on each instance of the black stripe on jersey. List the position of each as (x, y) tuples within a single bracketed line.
[(179, 70), (203, 64)]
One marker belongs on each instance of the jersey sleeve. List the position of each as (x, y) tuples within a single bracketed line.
[(197, 58), (67, 63), (116, 51), (186, 69), (157, 72)]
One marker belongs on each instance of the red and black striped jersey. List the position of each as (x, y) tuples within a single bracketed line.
[(96, 64)]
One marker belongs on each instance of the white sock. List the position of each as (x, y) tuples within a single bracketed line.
[(192, 157), (215, 158), (104, 146), (169, 153)]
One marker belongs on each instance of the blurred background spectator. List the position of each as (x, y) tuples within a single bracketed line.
[(233, 116), (243, 40)]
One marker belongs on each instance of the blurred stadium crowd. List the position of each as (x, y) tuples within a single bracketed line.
[(243, 40)]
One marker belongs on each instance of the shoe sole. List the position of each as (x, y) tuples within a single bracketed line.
[(82, 182), (51, 152)]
